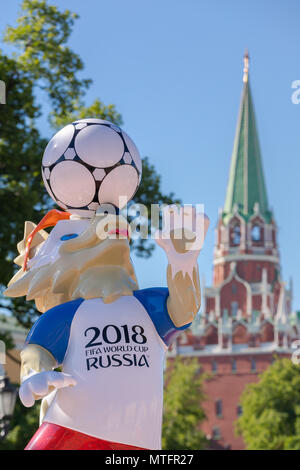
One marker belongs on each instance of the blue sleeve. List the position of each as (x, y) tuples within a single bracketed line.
[(52, 329), (154, 300)]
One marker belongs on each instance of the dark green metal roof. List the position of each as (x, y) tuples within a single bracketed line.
[(246, 185)]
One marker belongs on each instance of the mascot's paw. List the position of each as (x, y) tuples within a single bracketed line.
[(37, 386), (184, 231)]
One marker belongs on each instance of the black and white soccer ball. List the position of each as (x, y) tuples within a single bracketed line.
[(91, 162)]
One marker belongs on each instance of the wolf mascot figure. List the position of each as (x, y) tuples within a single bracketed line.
[(107, 337)]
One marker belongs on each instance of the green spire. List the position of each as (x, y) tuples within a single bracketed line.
[(246, 185)]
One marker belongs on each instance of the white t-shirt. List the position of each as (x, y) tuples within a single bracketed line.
[(116, 354)]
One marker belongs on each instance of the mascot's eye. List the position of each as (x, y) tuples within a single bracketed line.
[(68, 236)]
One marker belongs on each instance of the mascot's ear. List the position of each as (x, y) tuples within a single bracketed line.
[(40, 237)]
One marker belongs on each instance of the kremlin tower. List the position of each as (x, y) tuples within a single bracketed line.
[(246, 318)]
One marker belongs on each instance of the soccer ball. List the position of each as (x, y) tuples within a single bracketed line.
[(91, 162)]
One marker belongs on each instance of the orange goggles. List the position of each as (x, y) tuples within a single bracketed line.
[(49, 220)]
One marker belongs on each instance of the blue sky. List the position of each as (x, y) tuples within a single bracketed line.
[(174, 71)]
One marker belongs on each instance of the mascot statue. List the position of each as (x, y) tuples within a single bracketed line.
[(96, 354)]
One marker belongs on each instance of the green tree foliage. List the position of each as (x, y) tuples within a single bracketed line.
[(41, 37), (7, 339), (23, 425), (43, 67), (271, 409), (183, 411), (79, 111)]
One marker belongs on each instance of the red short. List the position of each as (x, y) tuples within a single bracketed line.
[(53, 437)]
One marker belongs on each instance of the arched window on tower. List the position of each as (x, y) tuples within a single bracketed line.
[(235, 235), (234, 309), (257, 234)]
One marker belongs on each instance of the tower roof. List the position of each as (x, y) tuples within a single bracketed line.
[(246, 186)]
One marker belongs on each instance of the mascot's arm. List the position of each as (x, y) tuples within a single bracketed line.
[(182, 247), (45, 349), (37, 376), (184, 295), (35, 359)]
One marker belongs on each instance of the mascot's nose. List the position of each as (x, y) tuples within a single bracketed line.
[(112, 226), (124, 233)]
